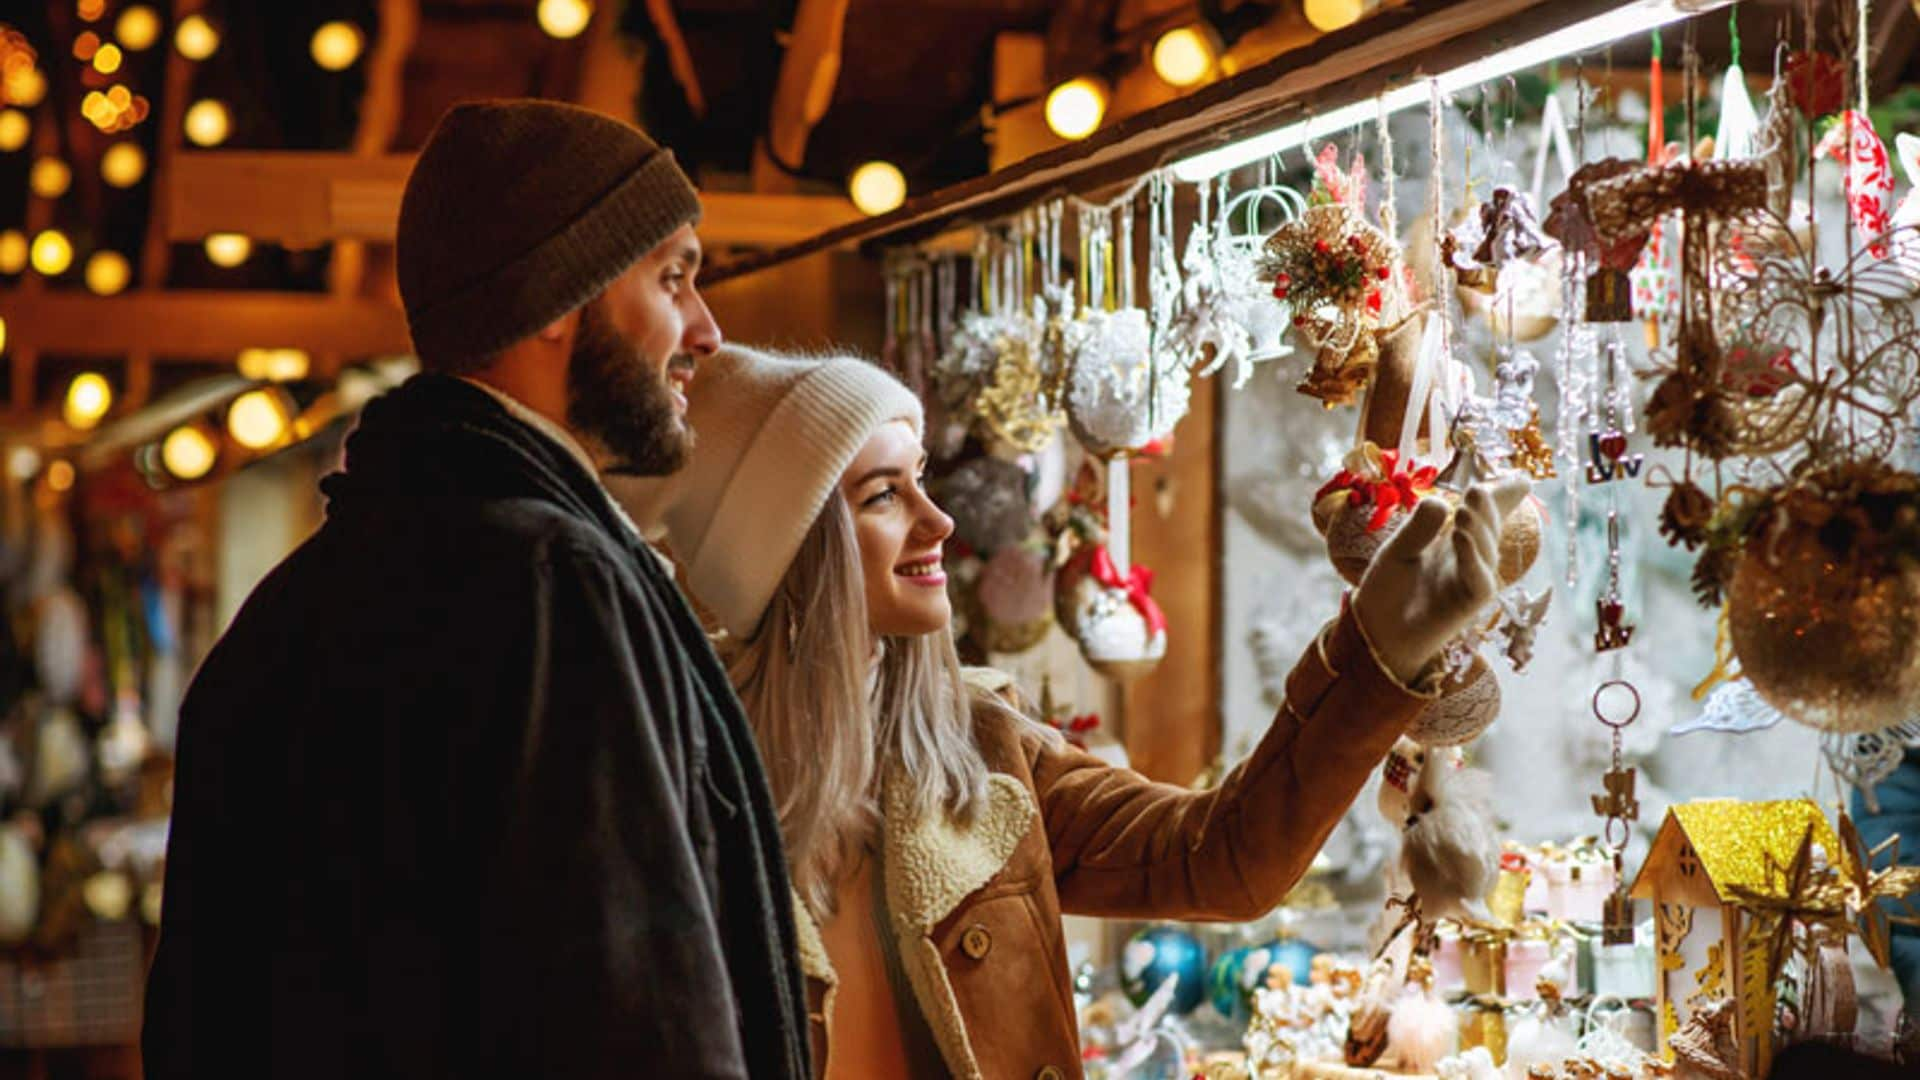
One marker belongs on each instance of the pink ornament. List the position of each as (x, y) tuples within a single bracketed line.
[(1869, 181)]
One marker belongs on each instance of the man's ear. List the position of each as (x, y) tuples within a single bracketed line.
[(561, 328)]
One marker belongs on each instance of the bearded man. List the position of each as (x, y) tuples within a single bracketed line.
[(463, 790)]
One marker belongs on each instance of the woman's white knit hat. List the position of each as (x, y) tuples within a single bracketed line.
[(773, 434)]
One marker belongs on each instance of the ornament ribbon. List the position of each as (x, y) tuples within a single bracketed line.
[(1138, 583), (1387, 486)]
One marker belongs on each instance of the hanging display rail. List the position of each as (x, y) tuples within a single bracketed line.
[(1293, 95)]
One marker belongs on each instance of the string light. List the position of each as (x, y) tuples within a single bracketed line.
[(60, 475), (208, 122), (257, 419), (187, 452), (336, 45), (3, 335), (52, 253), (50, 178), (89, 10), (274, 365), (13, 251), (115, 111), (137, 28), (107, 60), (877, 187), (123, 164), (108, 272), (228, 249), (1075, 107), (85, 45), (88, 398), (1185, 55), (1326, 15), (14, 129), (23, 462), (564, 18), (196, 38)]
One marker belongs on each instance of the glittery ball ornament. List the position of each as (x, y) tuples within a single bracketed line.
[(1831, 641), (1117, 398)]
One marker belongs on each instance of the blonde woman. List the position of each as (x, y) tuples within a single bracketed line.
[(935, 835)]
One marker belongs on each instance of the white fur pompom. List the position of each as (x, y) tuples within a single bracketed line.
[(1422, 1031)]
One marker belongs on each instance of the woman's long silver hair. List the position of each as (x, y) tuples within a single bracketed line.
[(830, 726)]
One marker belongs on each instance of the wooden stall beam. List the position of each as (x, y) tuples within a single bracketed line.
[(199, 324), (1392, 48), (302, 199)]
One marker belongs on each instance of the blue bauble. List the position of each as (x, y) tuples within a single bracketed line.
[(1235, 975), (1157, 952)]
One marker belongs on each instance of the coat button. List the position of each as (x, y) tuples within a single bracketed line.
[(976, 942), (1048, 1072)]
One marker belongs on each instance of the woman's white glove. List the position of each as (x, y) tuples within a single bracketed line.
[(1422, 590)]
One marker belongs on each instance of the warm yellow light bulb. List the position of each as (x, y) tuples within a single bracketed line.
[(52, 253), (564, 18), (274, 365), (14, 129), (123, 164), (1075, 107), (877, 187), (107, 60), (27, 87), (88, 398), (187, 452), (1328, 15), (60, 475), (196, 38), (336, 45), (13, 251), (1185, 55), (257, 419), (50, 178), (228, 249), (137, 28), (108, 272), (208, 122)]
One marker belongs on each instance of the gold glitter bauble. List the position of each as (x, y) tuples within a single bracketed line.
[(1832, 643)]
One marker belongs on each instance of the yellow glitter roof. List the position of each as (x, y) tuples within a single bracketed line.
[(1733, 838)]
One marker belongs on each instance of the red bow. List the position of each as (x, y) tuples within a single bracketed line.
[(1139, 586), (1401, 487)]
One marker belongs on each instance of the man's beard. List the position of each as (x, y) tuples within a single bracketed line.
[(615, 397)]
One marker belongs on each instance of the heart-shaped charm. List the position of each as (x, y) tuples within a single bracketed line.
[(1614, 445)]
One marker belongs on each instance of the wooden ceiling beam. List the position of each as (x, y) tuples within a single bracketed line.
[(303, 199), (808, 74), (200, 324)]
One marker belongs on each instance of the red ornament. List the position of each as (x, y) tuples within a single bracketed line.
[(1816, 83), (1356, 242), (1373, 301), (1321, 246), (1383, 273)]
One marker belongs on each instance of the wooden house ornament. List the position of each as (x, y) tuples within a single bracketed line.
[(1709, 948)]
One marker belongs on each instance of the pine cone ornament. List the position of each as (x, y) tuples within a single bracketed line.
[(1684, 517)]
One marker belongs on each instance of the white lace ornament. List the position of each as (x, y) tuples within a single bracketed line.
[(1116, 401)]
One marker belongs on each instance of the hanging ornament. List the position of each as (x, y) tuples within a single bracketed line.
[(1906, 216), (1339, 275), (1816, 83), (1739, 130), (1015, 592), (1468, 704), (987, 498), (1204, 335), (1118, 398), (1869, 175), (1620, 807), (1832, 559)]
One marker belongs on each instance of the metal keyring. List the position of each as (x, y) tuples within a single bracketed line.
[(1602, 717)]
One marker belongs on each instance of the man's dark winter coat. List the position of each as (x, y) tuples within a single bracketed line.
[(464, 792)]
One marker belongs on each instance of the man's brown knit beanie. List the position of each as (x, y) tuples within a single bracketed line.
[(518, 212)]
